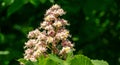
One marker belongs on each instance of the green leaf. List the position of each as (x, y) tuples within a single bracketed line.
[(41, 60), (75, 38), (50, 62), (69, 58), (4, 52), (118, 26), (99, 62), (52, 1), (56, 59), (43, 1), (2, 38), (8, 2), (81, 60), (26, 62), (22, 60), (16, 6), (34, 2)]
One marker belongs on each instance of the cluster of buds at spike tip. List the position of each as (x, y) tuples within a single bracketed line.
[(50, 37)]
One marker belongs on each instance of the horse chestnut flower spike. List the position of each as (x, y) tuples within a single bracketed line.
[(53, 36)]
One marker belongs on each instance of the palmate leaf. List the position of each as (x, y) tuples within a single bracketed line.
[(72, 60), (48, 61), (26, 62), (99, 62), (56, 59), (22, 60), (81, 60), (41, 60)]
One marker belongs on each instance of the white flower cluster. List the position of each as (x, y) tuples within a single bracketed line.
[(53, 35)]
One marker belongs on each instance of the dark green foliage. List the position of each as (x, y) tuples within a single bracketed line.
[(95, 27), (16, 5)]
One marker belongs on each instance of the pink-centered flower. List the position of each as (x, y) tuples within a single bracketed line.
[(57, 24), (65, 50), (34, 34), (30, 43)]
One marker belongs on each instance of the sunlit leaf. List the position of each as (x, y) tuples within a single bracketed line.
[(102, 14), (26, 62), (81, 60), (41, 60), (22, 60), (4, 52), (75, 38), (8, 2), (56, 59), (50, 62), (99, 62), (52, 1)]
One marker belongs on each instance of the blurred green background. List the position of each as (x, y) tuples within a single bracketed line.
[(95, 27)]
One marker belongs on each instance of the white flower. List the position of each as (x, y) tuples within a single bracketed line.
[(60, 12), (42, 49), (44, 24), (51, 33), (27, 56), (62, 35), (29, 51), (34, 33), (49, 27), (41, 37), (50, 39), (38, 45), (30, 43), (55, 10), (55, 6), (65, 22), (57, 24), (49, 17), (37, 53), (33, 59), (65, 50), (48, 12)]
